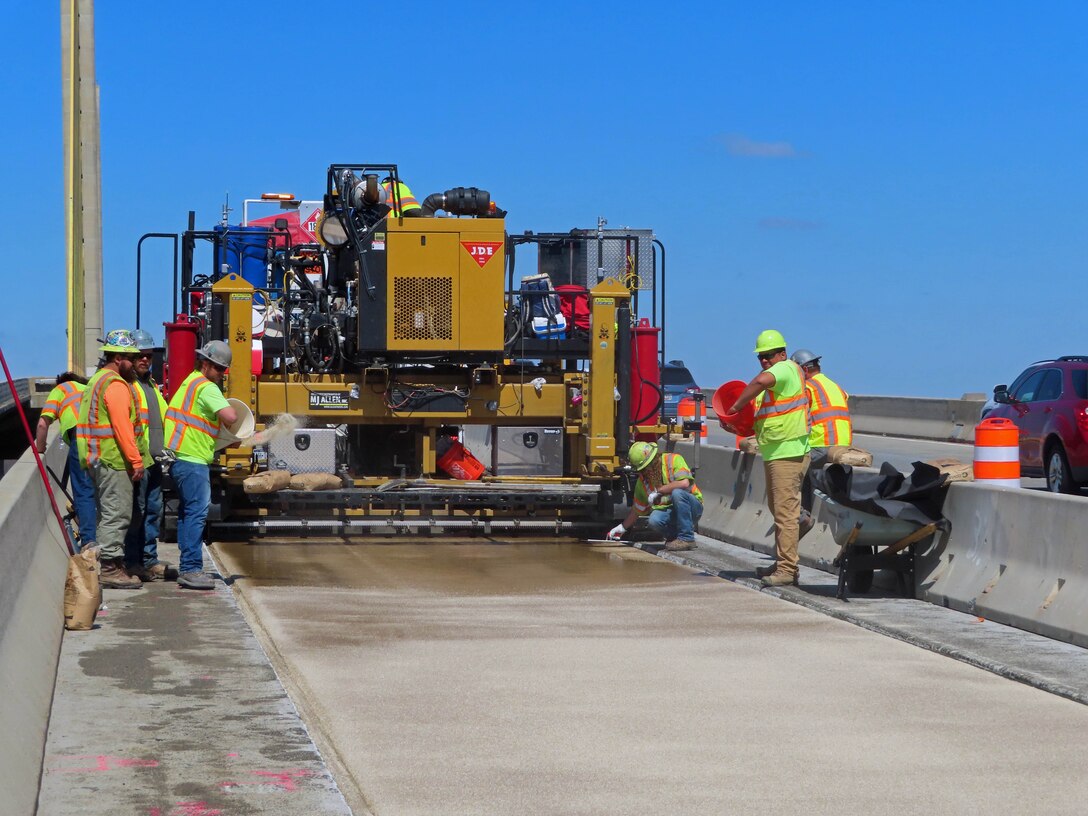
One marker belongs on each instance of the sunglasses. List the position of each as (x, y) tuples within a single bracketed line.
[(766, 355), (143, 354), (132, 358)]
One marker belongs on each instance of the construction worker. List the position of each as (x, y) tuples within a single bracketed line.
[(106, 438), (142, 540), (193, 419), (829, 412), (62, 405), (666, 490), (782, 432), (409, 207)]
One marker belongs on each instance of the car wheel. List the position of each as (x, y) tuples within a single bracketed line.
[(1059, 479)]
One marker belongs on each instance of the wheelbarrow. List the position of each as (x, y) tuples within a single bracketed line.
[(868, 542)]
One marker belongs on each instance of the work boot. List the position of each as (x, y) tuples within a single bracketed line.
[(679, 544), (158, 571), (115, 576), (196, 580), (779, 579), (770, 569)]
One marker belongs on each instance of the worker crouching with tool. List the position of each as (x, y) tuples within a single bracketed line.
[(193, 419), (782, 431), (666, 490)]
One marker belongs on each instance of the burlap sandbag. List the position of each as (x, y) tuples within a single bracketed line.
[(956, 470), (316, 481), (82, 591), (268, 482), (849, 455), (748, 445)]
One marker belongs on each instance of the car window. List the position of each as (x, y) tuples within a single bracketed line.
[(1025, 391), (1019, 381), (1051, 387), (671, 375), (1080, 382)]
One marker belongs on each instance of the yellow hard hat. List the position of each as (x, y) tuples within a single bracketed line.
[(769, 340), (119, 341), (641, 454)]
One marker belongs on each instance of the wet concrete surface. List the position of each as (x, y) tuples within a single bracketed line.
[(169, 707), (490, 678)]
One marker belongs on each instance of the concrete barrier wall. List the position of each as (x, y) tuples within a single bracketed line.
[(916, 417), (33, 566), (1012, 556)]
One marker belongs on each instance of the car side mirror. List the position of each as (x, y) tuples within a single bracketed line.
[(1001, 394)]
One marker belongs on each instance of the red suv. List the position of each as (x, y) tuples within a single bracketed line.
[(1049, 404)]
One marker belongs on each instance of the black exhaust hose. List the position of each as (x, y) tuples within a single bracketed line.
[(623, 379), (458, 201)]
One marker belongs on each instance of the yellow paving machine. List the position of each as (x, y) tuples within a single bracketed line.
[(393, 345)]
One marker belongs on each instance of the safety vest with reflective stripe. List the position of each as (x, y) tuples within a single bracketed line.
[(785, 416), (669, 466), (143, 422), (94, 434), (407, 200), (829, 412), (63, 404), (186, 431)]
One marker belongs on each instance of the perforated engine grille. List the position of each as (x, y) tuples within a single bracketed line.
[(423, 308)]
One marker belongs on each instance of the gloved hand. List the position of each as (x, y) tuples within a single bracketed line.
[(616, 533), (653, 498)]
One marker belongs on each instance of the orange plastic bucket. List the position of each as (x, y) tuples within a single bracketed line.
[(460, 464), (741, 423)]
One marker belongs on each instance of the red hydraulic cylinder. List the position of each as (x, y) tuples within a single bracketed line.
[(181, 338), (645, 373)]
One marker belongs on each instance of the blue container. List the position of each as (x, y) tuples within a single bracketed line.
[(244, 250)]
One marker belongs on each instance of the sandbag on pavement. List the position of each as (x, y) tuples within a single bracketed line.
[(82, 591), (268, 482), (316, 481), (954, 469)]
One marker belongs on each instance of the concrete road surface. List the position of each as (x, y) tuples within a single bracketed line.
[(489, 678)]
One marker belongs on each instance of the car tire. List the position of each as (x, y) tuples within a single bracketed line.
[(1059, 478)]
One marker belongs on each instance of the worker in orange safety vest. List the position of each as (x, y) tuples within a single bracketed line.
[(829, 411)]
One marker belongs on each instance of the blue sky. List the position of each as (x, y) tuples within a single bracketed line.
[(900, 187)]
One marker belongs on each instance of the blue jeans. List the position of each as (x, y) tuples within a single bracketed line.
[(679, 520), (194, 495), (142, 539), (82, 498)]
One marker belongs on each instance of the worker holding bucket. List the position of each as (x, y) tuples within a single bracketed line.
[(781, 425)]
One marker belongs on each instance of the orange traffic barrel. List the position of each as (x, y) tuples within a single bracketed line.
[(685, 415), (741, 423), (997, 452)]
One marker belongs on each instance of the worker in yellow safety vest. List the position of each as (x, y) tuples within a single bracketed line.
[(666, 490), (62, 406), (193, 419), (403, 204), (782, 432), (106, 438), (829, 410), (142, 541)]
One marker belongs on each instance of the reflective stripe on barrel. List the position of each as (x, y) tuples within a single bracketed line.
[(685, 412), (997, 453)]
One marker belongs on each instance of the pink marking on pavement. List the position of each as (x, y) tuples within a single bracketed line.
[(281, 780), (104, 762), (186, 809)]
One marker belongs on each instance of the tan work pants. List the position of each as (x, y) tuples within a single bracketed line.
[(784, 478), (113, 497)]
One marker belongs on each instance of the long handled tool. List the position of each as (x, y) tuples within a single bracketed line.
[(37, 456)]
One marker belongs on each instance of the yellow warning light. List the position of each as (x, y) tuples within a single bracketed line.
[(277, 197)]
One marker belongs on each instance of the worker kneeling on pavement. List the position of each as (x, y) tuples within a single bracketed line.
[(666, 490), (193, 419)]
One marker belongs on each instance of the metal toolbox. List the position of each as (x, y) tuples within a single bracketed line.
[(306, 450), (536, 451)]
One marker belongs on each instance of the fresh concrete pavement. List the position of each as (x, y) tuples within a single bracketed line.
[(485, 678)]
